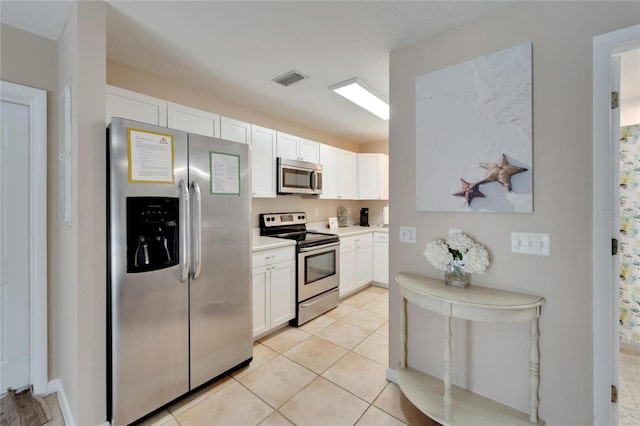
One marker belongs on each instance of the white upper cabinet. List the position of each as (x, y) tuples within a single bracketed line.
[(182, 117), (296, 148), (135, 106), (309, 150), (329, 161), (263, 162), (373, 177), (235, 130), (347, 175), (338, 173), (287, 146)]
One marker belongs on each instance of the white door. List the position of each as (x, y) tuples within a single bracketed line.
[(14, 246), (23, 237)]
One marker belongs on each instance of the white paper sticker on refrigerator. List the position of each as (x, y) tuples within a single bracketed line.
[(225, 173), (150, 156)]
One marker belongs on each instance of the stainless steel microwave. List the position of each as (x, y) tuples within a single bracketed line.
[(299, 177)]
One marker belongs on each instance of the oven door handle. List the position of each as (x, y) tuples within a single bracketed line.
[(316, 248)]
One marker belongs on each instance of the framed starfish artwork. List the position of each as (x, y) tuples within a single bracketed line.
[(474, 135)]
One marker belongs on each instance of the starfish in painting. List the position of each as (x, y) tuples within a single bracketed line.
[(501, 171), (469, 191)]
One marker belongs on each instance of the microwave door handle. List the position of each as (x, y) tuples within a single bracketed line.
[(314, 180), (183, 269), (196, 249)]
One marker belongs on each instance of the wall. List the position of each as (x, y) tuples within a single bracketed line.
[(130, 78), (491, 358), (376, 146), (140, 81), (630, 235), (38, 69), (326, 208), (80, 250)]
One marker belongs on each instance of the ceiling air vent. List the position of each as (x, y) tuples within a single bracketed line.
[(289, 78)]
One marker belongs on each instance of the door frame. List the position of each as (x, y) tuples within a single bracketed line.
[(603, 215), (36, 101)]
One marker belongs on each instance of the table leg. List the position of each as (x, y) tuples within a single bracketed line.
[(534, 370), (447, 368), (403, 334)]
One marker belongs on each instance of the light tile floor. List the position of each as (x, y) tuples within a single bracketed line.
[(328, 372), (629, 394)]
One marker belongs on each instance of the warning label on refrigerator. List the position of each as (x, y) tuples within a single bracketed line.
[(150, 156), (225, 173)]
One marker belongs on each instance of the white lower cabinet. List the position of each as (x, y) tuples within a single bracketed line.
[(381, 257), (356, 263), (274, 273)]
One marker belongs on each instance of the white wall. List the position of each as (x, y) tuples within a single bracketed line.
[(630, 88), (38, 69), (81, 251), (490, 358)]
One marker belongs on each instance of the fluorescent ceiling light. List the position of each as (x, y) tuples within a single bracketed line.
[(361, 94)]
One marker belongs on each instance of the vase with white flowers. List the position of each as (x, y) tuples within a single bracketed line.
[(458, 256)]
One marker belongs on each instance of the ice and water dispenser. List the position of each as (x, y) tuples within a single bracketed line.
[(152, 233)]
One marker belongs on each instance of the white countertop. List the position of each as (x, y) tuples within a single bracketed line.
[(346, 230), (355, 230), (265, 243)]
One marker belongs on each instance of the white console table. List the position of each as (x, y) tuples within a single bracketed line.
[(476, 304)]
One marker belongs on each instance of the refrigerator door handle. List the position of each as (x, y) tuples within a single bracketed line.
[(196, 231), (184, 232)]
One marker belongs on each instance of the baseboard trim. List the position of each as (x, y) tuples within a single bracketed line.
[(55, 385), (392, 376)]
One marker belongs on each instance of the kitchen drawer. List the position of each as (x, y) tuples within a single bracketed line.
[(267, 257), (381, 237), (360, 240)]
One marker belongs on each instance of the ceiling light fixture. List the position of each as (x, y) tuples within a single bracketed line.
[(358, 92)]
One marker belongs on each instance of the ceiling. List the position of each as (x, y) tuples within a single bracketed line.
[(233, 49)]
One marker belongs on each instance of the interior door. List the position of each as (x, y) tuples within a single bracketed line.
[(14, 246)]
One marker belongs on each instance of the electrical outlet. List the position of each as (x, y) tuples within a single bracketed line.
[(531, 243), (316, 212), (407, 234)]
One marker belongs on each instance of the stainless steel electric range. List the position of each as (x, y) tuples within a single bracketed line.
[(318, 263)]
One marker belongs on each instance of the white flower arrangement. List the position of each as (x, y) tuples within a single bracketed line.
[(458, 248)]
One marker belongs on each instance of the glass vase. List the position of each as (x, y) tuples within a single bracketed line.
[(456, 276)]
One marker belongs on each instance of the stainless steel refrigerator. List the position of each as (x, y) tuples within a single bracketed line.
[(179, 272)]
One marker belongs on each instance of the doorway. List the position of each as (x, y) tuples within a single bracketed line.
[(629, 237), (23, 232)]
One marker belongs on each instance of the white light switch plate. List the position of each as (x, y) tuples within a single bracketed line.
[(407, 234), (531, 243)]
